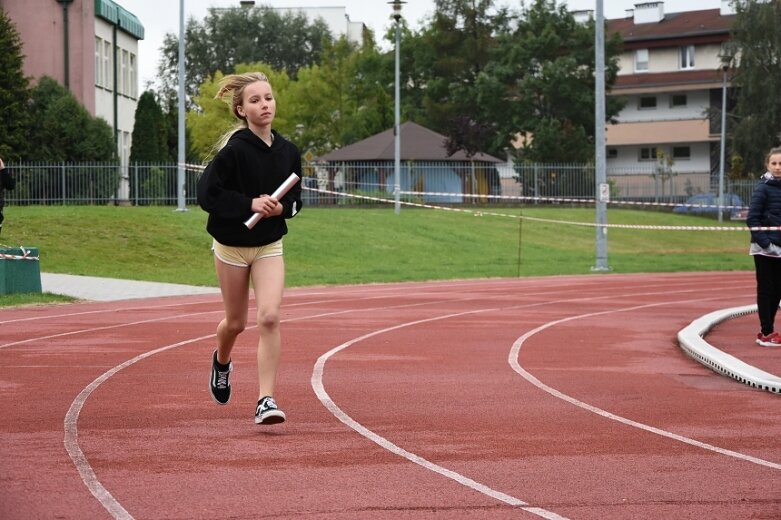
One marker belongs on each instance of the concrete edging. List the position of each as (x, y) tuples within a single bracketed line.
[(690, 339)]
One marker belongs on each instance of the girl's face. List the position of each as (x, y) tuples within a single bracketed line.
[(258, 105), (774, 165)]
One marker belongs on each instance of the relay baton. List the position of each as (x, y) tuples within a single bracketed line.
[(278, 194)]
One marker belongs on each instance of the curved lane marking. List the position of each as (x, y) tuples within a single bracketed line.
[(515, 354), (117, 511), (71, 438), (322, 394)]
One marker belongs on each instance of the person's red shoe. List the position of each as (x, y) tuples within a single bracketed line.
[(771, 340)]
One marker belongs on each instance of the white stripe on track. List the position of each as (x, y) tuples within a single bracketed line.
[(515, 354), (117, 510), (319, 388), (71, 439)]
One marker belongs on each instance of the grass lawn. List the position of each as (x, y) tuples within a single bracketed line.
[(362, 245)]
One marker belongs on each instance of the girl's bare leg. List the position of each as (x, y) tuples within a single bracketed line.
[(268, 280), (234, 286)]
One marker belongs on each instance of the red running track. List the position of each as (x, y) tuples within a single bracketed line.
[(560, 397)]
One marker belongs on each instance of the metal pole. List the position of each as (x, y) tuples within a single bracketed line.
[(602, 188), (396, 127), (66, 42), (181, 206), (723, 140)]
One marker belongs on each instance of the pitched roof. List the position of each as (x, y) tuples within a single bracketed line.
[(688, 24), (417, 144)]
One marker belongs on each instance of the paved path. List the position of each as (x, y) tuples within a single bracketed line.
[(110, 289)]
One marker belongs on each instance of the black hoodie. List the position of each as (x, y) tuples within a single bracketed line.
[(244, 169)]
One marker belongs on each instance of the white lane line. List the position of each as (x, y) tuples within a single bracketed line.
[(515, 354), (115, 508), (319, 388), (106, 311), (71, 438), (106, 327)]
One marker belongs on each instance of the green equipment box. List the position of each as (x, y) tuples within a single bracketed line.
[(20, 270)]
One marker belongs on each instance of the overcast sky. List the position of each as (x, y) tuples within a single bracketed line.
[(162, 16)]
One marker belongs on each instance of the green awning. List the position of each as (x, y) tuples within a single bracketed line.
[(116, 15)]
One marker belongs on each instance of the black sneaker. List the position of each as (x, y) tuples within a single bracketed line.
[(219, 383), (267, 412)]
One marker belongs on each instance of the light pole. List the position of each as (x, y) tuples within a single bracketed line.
[(725, 61), (396, 4), (181, 206), (602, 187)]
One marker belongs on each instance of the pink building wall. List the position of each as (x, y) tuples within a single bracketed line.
[(40, 24)]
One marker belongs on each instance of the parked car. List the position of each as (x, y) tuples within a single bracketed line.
[(707, 203)]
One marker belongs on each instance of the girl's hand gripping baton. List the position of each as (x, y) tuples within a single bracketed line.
[(278, 194)]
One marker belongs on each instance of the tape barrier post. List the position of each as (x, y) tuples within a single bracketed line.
[(278, 194)]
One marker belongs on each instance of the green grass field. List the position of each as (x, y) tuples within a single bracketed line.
[(353, 245)]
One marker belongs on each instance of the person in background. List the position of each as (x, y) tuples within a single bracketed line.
[(252, 162), (765, 211), (7, 182)]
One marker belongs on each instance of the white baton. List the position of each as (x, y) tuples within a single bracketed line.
[(278, 194)]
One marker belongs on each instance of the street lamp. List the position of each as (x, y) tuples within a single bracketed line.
[(180, 174), (396, 4), (602, 187), (726, 58)]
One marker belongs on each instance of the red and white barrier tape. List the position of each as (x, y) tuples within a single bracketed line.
[(24, 256), (517, 197), (480, 213), (564, 199)]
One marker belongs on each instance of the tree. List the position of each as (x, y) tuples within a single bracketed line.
[(63, 130), (229, 37), (444, 61), (336, 102), (212, 118), (340, 100), (539, 84), (14, 93), (150, 134), (756, 41)]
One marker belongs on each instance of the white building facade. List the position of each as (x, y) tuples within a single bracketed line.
[(90, 47), (117, 33), (335, 17), (671, 78)]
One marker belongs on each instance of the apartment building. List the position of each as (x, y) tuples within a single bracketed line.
[(671, 74), (90, 47)]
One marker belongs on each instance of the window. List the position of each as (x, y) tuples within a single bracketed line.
[(681, 152), (612, 153), (687, 57), (678, 100), (646, 102), (108, 69), (124, 152), (648, 153), (98, 62), (133, 78), (122, 88), (641, 60)]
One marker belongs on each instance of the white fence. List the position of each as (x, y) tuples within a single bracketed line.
[(448, 183)]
